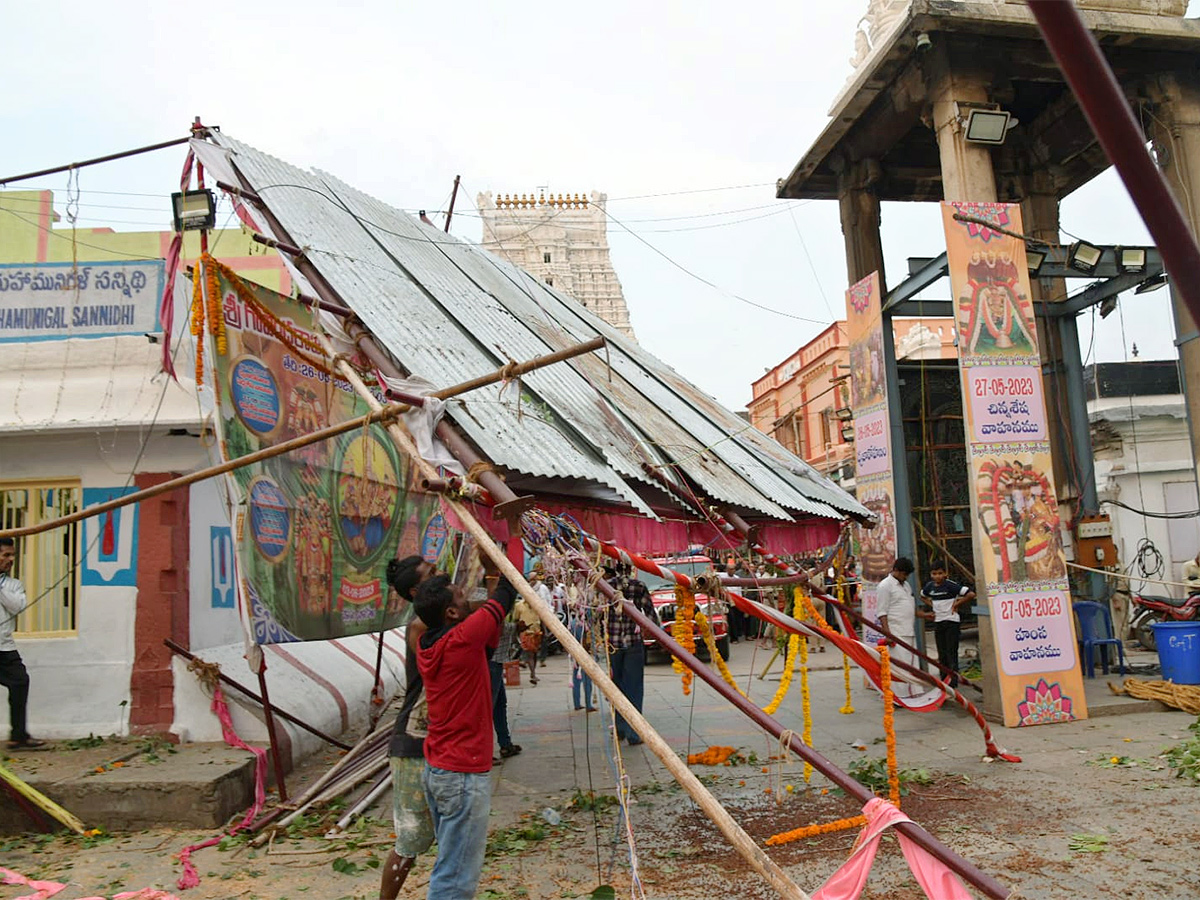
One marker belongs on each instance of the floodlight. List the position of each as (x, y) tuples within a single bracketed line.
[(1034, 257), (1153, 283), (1107, 306), (847, 433), (987, 126), (1131, 259), (194, 210), (1084, 257), (844, 413)]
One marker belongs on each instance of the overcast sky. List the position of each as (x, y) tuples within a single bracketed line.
[(683, 113)]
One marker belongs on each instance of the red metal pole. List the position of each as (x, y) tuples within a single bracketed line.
[(376, 687), (99, 159), (242, 689), (453, 197), (1108, 112), (276, 756)]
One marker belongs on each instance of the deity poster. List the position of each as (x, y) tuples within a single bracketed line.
[(872, 440), (1017, 525), (316, 526)]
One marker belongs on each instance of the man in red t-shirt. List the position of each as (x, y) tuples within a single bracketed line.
[(452, 659)]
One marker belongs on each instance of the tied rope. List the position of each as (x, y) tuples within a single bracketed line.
[(1181, 696)]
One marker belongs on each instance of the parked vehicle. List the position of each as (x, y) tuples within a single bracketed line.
[(1161, 609), (662, 594)]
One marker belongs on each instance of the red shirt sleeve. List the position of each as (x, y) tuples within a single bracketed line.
[(482, 627)]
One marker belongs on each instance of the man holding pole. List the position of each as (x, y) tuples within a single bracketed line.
[(453, 663)]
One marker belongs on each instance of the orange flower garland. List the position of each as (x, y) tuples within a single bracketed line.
[(806, 697), (713, 756), (197, 322), (785, 681), (889, 724), (714, 654), (682, 631), (796, 834)]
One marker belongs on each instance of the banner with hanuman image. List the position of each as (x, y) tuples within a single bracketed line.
[(1020, 565), (316, 526)]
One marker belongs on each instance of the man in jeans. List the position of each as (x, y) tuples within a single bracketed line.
[(12, 671), (452, 659)]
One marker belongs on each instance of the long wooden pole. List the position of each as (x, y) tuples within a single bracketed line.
[(733, 832), (391, 410)]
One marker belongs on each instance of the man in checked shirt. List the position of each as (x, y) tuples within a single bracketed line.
[(627, 652)]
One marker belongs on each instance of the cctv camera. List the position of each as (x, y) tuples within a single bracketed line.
[(923, 42)]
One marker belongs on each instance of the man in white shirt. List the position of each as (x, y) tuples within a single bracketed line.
[(12, 671), (896, 610)]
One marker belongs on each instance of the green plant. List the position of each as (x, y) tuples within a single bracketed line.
[(873, 773), (590, 800), (515, 839), (1185, 758), (86, 743), (1088, 843)]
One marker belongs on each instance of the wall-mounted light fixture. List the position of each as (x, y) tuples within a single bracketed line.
[(1084, 257), (194, 210)]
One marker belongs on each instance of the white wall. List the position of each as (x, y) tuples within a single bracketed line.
[(79, 684), (211, 623), (1154, 453)]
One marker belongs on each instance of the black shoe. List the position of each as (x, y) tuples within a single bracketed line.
[(27, 743), (510, 750)]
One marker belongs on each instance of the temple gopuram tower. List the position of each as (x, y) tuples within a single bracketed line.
[(561, 240)]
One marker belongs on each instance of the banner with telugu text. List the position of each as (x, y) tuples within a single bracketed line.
[(872, 441), (1023, 572), (316, 526)]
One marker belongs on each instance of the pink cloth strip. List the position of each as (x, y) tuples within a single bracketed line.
[(190, 878), (47, 889), (934, 877)]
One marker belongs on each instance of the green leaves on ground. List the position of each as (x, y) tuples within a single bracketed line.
[(1185, 758), (873, 773), (1088, 843)]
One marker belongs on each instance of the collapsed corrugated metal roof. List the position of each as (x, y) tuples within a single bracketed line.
[(449, 311)]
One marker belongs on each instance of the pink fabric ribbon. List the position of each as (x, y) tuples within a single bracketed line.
[(190, 878), (44, 889), (934, 877)]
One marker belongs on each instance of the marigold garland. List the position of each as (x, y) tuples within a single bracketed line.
[(889, 724), (714, 655), (785, 680), (806, 701), (197, 322), (682, 631), (713, 756), (848, 707), (806, 831)]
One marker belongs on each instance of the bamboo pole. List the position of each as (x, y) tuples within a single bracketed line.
[(44, 803), (733, 832), (382, 413)]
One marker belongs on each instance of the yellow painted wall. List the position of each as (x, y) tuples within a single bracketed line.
[(29, 233)]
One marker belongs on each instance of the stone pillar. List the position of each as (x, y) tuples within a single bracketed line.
[(859, 208), (1174, 127), (967, 172)]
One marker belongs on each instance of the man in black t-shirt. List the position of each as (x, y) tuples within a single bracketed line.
[(944, 598), (406, 752)]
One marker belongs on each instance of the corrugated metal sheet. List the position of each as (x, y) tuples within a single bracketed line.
[(450, 311)]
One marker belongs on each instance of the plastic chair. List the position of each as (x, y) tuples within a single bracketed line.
[(1096, 630)]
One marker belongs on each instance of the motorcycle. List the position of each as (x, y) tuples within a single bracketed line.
[(1161, 609)]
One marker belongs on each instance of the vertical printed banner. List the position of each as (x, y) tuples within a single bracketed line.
[(872, 445), (1019, 553), (317, 525)]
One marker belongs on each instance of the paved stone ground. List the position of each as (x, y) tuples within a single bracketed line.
[(1016, 822)]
